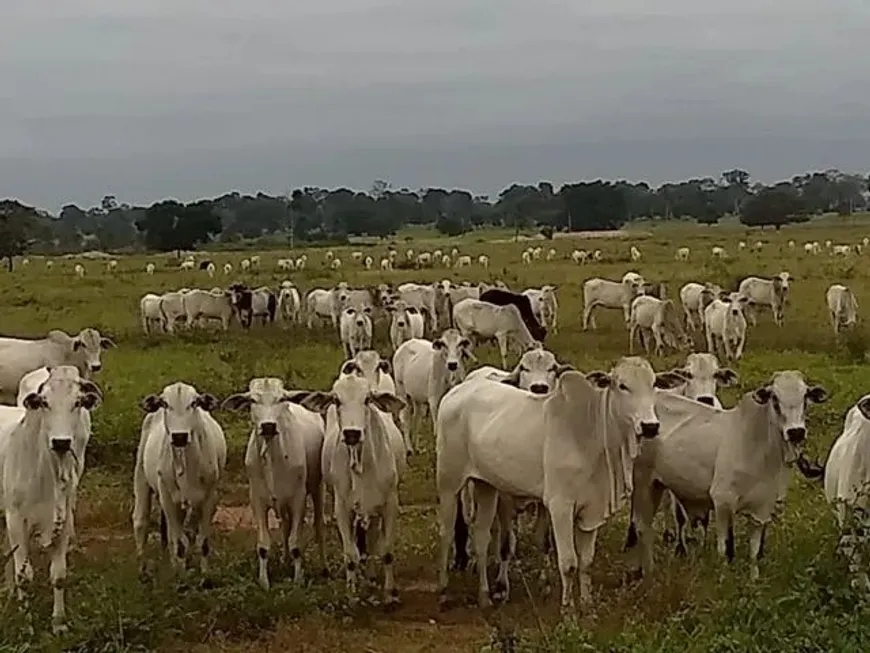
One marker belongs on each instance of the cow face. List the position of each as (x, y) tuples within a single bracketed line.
[(369, 365), (58, 401), (537, 372), (632, 384), (266, 399), (179, 402), (786, 396), (86, 349), (699, 378), (451, 351), (736, 301)]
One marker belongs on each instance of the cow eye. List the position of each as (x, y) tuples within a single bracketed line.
[(523, 369), (623, 387)]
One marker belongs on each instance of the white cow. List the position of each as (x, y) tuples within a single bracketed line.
[(424, 259), (357, 256), (19, 356), (172, 309), (180, 459), (425, 371), (841, 250), (187, 265), (386, 264), (579, 256), (369, 262), (682, 254), (483, 260), (719, 252), (283, 464), (42, 458), (355, 330), (597, 256), (730, 461), (536, 371), (80, 270), (336, 264), (374, 369), (150, 313), (725, 325), (551, 448), (842, 306), (285, 264), (847, 472), (228, 269), (635, 253), (203, 305), (363, 460), (609, 294), (544, 305), (210, 270), (551, 254), (527, 258), (245, 265), (406, 323), (695, 297), (656, 319), (301, 262), (290, 304), (423, 298), (149, 269), (463, 262), (321, 304), (484, 321), (766, 292)]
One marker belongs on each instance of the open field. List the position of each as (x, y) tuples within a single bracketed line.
[(801, 603)]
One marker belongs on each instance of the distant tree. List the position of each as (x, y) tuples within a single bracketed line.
[(594, 206), (737, 182), (449, 225), (18, 227), (170, 225), (774, 205)]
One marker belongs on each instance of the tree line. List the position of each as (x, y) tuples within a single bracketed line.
[(312, 214)]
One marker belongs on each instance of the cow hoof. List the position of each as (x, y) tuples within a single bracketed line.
[(59, 627)]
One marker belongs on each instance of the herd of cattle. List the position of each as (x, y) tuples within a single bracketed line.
[(578, 446)]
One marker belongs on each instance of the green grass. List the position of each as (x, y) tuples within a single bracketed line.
[(801, 603)]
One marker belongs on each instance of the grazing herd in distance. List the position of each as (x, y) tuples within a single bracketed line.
[(579, 446)]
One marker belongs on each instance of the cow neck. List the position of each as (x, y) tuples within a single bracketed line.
[(189, 463), (439, 378), (620, 448), (764, 436)]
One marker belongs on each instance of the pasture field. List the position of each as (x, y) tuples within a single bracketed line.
[(803, 601)]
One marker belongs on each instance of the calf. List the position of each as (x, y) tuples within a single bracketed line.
[(283, 464), (725, 324), (842, 306), (289, 304), (425, 371), (181, 457), (173, 310), (363, 460), (150, 313), (201, 306), (260, 302), (608, 294), (695, 297), (657, 319), (42, 458), (483, 321), (544, 305), (682, 254), (406, 324), (766, 292), (355, 329), (321, 304)]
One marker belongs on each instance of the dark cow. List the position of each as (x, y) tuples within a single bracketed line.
[(501, 297), (203, 265), (247, 303)]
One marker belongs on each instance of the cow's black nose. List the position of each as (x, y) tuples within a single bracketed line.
[(706, 400), (61, 445), (649, 429), (268, 429), (179, 438), (452, 366), (796, 434), (351, 436), (539, 388)]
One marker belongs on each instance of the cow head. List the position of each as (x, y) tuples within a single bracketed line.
[(266, 398), (736, 301), (537, 372), (181, 404), (863, 405), (369, 365), (698, 378), (58, 401), (452, 349), (632, 385), (786, 397)]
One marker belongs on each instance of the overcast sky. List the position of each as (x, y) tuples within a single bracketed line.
[(188, 98)]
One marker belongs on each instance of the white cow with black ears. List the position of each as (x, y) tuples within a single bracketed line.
[(355, 330)]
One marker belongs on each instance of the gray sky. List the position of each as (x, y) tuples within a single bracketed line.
[(188, 98)]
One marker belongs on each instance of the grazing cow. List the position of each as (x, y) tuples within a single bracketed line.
[(841, 250), (682, 254), (758, 246), (187, 265), (483, 260), (766, 292), (730, 461), (369, 262), (635, 254), (406, 323), (424, 259), (149, 269), (111, 266), (423, 298), (301, 261), (608, 294), (150, 313), (355, 330), (544, 306), (19, 356), (579, 256), (551, 254), (551, 448), (336, 264), (725, 324), (181, 457), (483, 319), (260, 302), (842, 306), (357, 256), (201, 305), (363, 460), (204, 264), (741, 245), (42, 458), (245, 265), (425, 371), (463, 262), (49, 265), (695, 297), (657, 319), (80, 270), (322, 304), (719, 252), (290, 304), (445, 261), (283, 464), (228, 269), (285, 264), (527, 258)]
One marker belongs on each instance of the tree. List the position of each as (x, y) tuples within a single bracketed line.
[(170, 225), (18, 227), (593, 206), (449, 225), (773, 205), (738, 183)]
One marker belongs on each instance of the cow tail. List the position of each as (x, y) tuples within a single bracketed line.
[(359, 532), (272, 306), (164, 532), (164, 315), (460, 529)]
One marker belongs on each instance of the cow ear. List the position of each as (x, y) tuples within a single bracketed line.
[(90, 387), (237, 401), (89, 400), (562, 368), (762, 395), (514, 377), (438, 344), (387, 402), (34, 401), (817, 394), (668, 380), (384, 366), (598, 378), (726, 376), (152, 403), (864, 406), (107, 343), (208, 402), (77, 344), (314, 400)]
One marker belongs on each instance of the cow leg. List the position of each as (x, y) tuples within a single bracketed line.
[(447, 513), (690, 323), (725, 530), (58, 577), (502, 340), (562, 516), (756, 547), (681, 518), (587, 316), (738, 354), (260, 510), (178, 541), (669, 534), (319, 528), (632, 334), (141, 513), (343, 520), (585, 543), (387, 545), (203, 529), (19, 543), (660, 345), (297, 517), (507, 543), (486, 498)]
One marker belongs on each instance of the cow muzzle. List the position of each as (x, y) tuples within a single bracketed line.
[(453, 366), (706, 400), (539, 388), (351, 437), (180, 438), (268, 429), (649, 429), (61, 445), (796, 435), (96, 367)]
